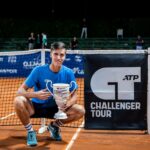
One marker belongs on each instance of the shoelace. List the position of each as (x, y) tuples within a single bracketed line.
[(56, 129), (31, 137)]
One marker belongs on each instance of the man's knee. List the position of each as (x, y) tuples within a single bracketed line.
[(79, 110), (19, 102), (82, 110)]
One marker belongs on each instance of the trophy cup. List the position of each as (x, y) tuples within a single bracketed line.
[(61, 94)]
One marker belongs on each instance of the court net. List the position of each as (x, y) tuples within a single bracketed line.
[(15, 66)]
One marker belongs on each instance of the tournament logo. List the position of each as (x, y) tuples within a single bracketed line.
[(115, 83)]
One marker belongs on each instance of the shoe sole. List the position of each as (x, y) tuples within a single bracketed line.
[(32, 145)]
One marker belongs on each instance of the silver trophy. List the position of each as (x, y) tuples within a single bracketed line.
[(61, 94)]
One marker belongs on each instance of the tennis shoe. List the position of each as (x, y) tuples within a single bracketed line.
[(31, 138), (54, 132)]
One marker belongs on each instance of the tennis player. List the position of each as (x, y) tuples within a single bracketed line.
[(40, 103)]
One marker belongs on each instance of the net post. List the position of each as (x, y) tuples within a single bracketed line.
[(43, 127), (42, 56), (148, 94)]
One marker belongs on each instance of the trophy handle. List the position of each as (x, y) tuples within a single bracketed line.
[(74, 87), (51, 85)]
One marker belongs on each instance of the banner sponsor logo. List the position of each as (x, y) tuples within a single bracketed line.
[(31, 64), (77, 70), (8, 71), (67, 59), (1, 59), (78, 58), (104, 109), (111, 84), (12, 59), (115, 83)]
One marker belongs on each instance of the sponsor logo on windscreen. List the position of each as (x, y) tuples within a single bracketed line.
[(78, 58), (31, 64), (8, 71), (1, 59), (68, 59), (12, 59), (77, 70), (115, 83)]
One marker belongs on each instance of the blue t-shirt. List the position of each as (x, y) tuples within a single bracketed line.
[(39, 76)]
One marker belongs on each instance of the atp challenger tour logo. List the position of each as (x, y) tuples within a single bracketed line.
[(115, 83), (111, 85)]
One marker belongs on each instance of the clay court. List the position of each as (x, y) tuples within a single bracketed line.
[(75, 137), (14, 137)]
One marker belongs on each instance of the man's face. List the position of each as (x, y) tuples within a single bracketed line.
[(58, 57)]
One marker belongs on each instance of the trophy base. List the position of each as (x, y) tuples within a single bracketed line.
[(60, 115)]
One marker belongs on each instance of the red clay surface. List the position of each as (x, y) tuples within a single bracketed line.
[(112, 140), (14, 138)]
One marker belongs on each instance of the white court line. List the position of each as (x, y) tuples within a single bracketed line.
[(74, 137), (2, 118)]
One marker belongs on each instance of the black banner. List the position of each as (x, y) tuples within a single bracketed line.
[(115, 91)]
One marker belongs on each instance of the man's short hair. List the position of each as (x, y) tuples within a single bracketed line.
[(58, 45)]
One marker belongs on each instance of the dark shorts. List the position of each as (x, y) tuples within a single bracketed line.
[(43, 111)]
